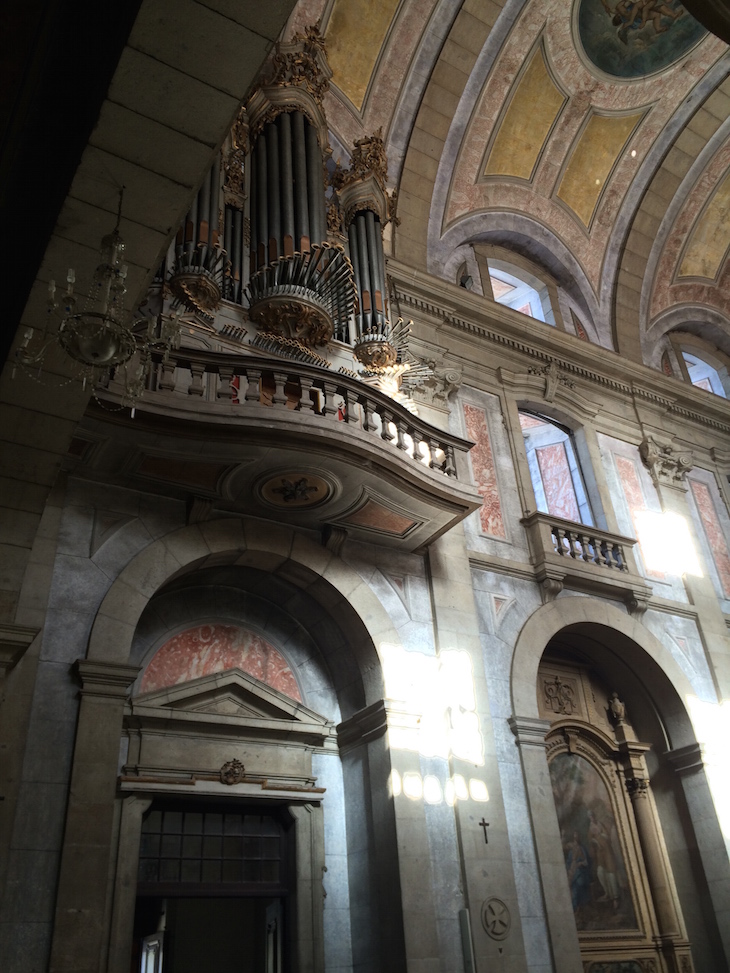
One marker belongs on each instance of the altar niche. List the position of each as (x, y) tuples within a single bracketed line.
[(214, 889), (622, 891)]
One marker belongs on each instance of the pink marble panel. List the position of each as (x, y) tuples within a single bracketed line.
[(557, 482), (206, 649), (713, 532), (631, 485), (485, 474)]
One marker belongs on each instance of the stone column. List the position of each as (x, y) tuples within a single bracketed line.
[(656, 866), (689, 766), (563, 934), (84, 888), (125, 882), (309, 945), (487, 868)]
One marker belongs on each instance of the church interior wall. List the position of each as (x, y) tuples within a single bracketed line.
[(401, 708)]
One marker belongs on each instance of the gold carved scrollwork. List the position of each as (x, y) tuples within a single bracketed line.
[(296, 320), (300, 63)]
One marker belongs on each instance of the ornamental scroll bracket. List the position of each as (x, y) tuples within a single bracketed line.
[(667, 466)]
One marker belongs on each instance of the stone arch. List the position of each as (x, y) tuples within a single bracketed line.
[(654, 665), (535, 242), (273, 549)]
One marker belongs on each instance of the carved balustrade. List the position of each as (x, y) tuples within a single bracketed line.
[(214, 384), (583, 557)]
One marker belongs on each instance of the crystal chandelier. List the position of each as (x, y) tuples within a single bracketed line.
[(100, 336)]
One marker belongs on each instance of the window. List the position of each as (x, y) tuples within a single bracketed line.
[(704, 375), (554, 469), (519, 289)]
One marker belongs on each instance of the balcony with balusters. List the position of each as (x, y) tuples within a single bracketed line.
[(282, 440), (566, 554)]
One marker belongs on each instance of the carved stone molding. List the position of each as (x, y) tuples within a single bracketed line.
[(530, 732), (105, 679), (441, 382), (687, 760), (363, 726), (14, 642), (667, 466), (554, 376)]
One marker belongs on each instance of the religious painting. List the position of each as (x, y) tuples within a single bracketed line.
[(594, 859), (634, 38)]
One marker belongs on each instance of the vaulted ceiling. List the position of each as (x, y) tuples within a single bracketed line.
[(601, 151)]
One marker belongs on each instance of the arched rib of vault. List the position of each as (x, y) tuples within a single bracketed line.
[(626, 271), (704, 322), (458, 76), (273, 548), (662, 677), (536, 242), (677, 225)]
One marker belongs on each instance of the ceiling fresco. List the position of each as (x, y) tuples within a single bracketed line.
[(588, 136)]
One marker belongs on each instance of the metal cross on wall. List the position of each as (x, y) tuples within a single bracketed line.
[(484, 825)]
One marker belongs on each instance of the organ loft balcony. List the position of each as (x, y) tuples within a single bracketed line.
[(281, 440)]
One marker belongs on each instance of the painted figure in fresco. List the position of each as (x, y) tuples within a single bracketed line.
[(604, 858), (578, 866), (636, 14)]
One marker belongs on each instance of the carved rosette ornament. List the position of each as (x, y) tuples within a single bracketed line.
[(232, 772), (667, 466)]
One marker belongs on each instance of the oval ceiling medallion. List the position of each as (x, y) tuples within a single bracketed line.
[(629, 39), (294, 489)]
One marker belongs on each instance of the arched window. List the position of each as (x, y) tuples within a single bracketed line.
[(554, 469), (704, 375), (517, 288)]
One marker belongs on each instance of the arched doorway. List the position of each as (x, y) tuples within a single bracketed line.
[(631, 829)]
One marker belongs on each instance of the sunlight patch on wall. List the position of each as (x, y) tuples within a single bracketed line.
[(594, 155), (710, 237), (712, 727), (535, 105), (666, 543), (437, 693), (430, 790), (355, 33)]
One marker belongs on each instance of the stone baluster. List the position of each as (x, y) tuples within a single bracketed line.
[(279, 396), (197, 370), (224, 389), (307, 402), (253, 386), (167, 378)]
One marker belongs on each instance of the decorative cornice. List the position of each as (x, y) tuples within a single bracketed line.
[(530, 732), (687, 760), (14, 642), (449, 317), (109, 680)]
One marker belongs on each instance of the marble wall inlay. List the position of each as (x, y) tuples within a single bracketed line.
[(713, 532), (631, 485), (484, 471), (205, 649), (557, 482)]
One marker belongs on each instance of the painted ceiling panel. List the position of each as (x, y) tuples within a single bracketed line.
[(355, 34), (594, 155), (527, 122), (710, 238)]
